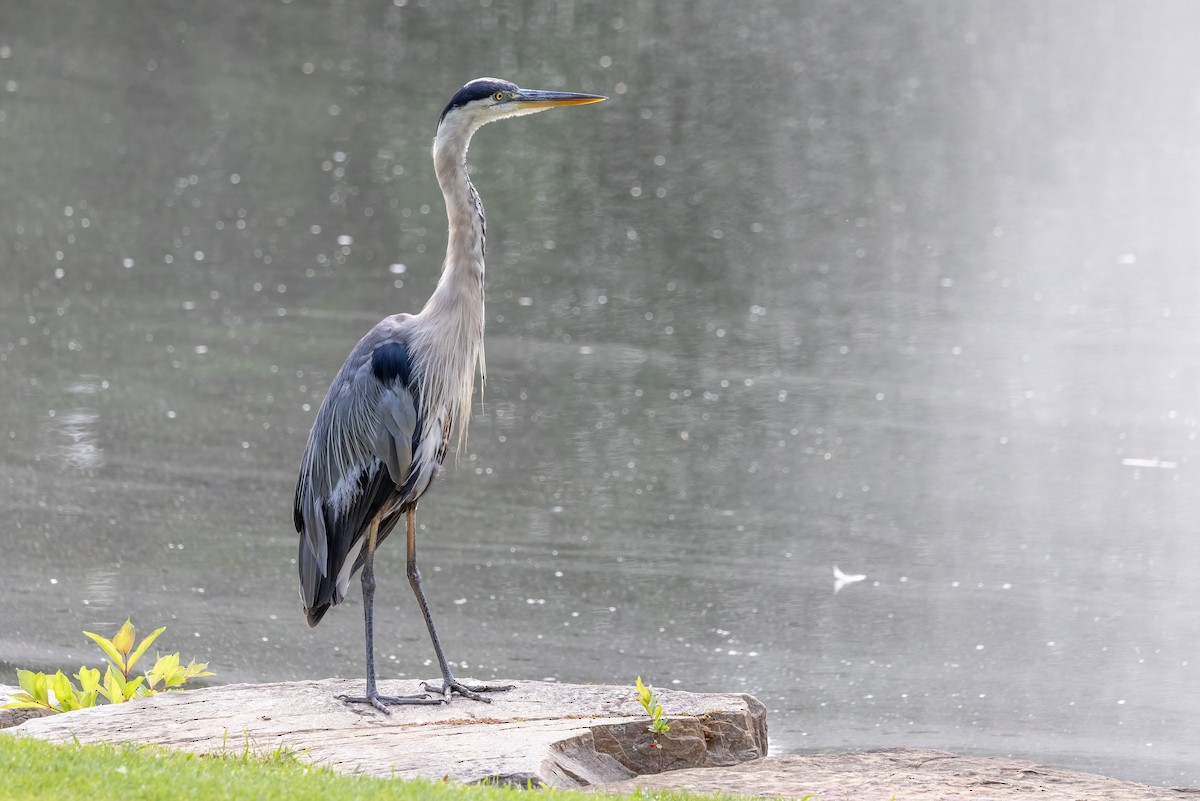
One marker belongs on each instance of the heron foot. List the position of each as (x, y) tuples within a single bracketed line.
[(382, 702), (453, 686)]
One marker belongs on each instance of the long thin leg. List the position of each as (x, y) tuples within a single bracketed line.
[(368, 590), (450, 685)]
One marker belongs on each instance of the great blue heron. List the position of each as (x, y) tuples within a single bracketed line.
[(382, 432)]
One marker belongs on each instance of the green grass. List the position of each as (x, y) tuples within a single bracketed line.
[(32, 769)]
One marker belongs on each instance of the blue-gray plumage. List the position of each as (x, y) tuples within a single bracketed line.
[(381, 434), (359, 457), (391, 362)]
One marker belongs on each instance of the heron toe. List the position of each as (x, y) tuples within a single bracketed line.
[(454, 687), (382, 702)]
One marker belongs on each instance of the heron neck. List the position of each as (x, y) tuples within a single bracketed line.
[(449, 339), (460, 287)]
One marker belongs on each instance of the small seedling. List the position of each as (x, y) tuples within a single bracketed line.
[(650, 703)]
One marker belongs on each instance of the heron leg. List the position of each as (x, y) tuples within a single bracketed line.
[(372, 696), (450, 685)]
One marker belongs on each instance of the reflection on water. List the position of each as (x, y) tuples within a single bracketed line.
[(72, 439), (905, 290), (70, 434), (100, 592)]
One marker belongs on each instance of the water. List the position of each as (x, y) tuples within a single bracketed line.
[(909, 290)]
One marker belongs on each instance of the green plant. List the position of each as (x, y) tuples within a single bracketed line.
[(117, 686), (650, 703)]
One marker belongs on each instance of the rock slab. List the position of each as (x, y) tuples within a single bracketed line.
[(539, 733), (903, 773)]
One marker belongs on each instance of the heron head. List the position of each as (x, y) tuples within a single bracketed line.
[(485, 100)]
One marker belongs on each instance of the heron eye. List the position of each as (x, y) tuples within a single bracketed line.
[(498, 96)]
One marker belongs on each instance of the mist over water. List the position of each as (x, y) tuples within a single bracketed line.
[(910, 289)]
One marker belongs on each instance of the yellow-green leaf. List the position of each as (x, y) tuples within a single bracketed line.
[(131, 686), (114, 686), (89, 679), (41, 689), (107, 646), (141, 649), (25, 679), (164, 668), (123, 641), (168, 662), (195, 670), (20, 702), (64, 693)]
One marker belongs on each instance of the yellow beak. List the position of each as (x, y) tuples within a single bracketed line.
[(536, 98)]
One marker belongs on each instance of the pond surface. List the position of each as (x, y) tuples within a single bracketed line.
[(911, 290)]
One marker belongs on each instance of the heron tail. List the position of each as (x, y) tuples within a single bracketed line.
[(315, 614)]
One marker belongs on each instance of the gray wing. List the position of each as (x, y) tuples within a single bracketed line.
[(359, 453)]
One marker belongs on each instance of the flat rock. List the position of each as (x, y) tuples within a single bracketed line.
[(541, 733), (902, 773)]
